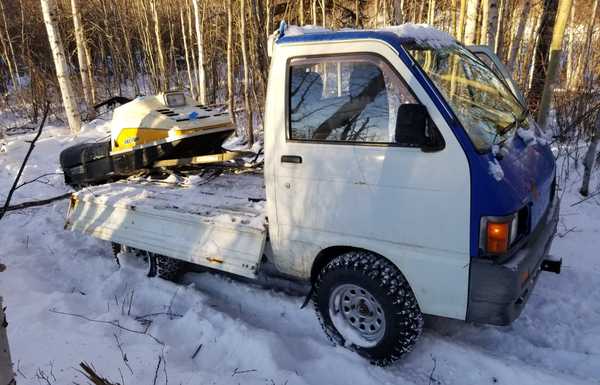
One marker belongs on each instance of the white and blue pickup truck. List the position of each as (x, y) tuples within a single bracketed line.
[(401, 177)]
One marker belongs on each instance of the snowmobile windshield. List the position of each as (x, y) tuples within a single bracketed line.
[(486, 107)]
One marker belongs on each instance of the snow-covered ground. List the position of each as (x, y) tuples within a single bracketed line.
[(256, 333)]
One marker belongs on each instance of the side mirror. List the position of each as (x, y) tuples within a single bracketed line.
[(415, 128)]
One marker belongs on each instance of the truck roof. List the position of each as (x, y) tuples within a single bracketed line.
[(394, 35)]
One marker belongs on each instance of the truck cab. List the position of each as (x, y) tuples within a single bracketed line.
[(402, 177)]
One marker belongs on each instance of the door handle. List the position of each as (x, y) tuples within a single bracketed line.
[(291, 159)]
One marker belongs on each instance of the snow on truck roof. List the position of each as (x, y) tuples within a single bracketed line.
[(405, 33)]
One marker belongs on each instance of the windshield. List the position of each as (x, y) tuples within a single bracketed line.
[(483, 103)]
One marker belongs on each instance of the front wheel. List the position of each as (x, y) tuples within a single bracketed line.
[(364, 303)]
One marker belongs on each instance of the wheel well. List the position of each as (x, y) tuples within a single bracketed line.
[(327, 255)]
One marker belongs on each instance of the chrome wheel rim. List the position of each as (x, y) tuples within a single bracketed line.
[(357, 315)]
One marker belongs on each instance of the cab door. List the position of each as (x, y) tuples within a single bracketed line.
[(338, 175)]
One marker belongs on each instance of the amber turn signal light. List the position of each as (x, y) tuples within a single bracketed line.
[(497, 237)]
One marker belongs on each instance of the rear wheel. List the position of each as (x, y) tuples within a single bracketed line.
[(164, 267), (156, 265), (364, 303)]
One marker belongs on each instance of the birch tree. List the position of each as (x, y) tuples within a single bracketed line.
[(201, 72), (60, 64), (471, 22), (514, 49), (81, 59), (243, 37), (552, 73), (230, 91), (588, 51), (540, 58), (187, 55), (492, 23), (162, 71), (590, 158), (9, 52)]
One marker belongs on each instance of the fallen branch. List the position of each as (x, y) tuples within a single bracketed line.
[(123, 355), (112, 323), (91, 375), (37, 178), (585, 199), (197, 351), (29, 151), (41, 202)]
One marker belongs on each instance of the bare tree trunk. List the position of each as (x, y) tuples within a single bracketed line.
[(162, 76), (249, 128), (553, 72), (7, 375), (187, 55), (230, 90), (314, 12), (570, 46), (431, 12), (201, 73), (590, 158), (83, 67), (492, 24), (11, 60), (398, 12), (461, 20), (60, 64), (485, 15), (499, 42), (588, 53), (471, 22), (540, 59), (516, 42)]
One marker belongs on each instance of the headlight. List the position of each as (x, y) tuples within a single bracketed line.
[(498, 233)]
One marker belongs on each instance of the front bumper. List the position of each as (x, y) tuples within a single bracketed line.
[(498, 292)]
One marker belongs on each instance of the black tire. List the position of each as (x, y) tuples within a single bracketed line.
[(383, 282), (164, 267)]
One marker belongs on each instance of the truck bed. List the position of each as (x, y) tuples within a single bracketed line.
[(215, 220)]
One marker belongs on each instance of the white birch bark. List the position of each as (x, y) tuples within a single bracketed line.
[(11, 61), (201, 73), (81, 58), (187, 55), (60, 64), (471, 22), (590, 158)]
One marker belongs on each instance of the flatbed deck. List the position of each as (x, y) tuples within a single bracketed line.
[(216, 220)]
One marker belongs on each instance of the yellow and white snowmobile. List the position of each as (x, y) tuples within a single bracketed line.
[(148, 129)]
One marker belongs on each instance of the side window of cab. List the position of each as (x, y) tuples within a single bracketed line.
[(346, 99)]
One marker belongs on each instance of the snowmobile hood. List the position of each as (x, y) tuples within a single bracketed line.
[(163, 118)]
